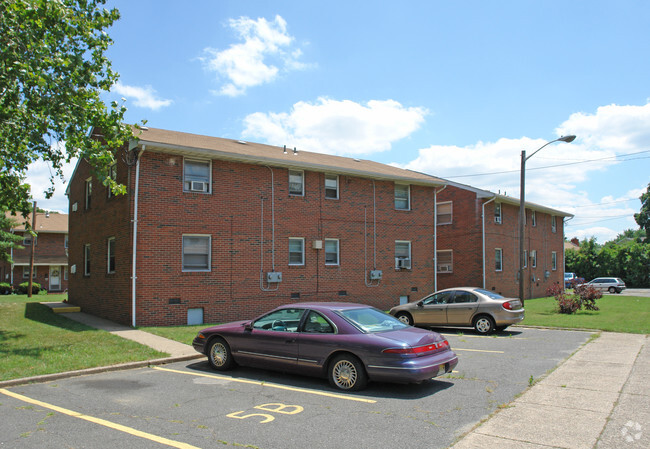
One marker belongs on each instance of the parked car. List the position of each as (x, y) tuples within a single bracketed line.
[(610, 284), (348, 343), (484, 310), (570, 280)]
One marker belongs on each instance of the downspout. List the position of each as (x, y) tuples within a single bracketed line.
[(135, 233), (262, 287), (483, 233), (435, 237), (374, 239), (563, 249)]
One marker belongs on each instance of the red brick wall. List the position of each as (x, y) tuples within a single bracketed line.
[(231, 214), (47, 245)]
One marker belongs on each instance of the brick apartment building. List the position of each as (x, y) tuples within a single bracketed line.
[(50, 253), (213, 229), (478, 242)]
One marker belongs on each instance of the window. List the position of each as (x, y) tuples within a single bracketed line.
[(112, 174), (533, 218), (284, 320), (196, 252), (196, 176), (553, 224), (296, 251), (444, 213), (27, 240), (89, 192), (402, 255), (497, 213), (533, 258), (525, 258), (332, 187), (498, 259), (26, 273), (444, 261), (553, 260), (65, 241), (461, 297), (65, 273), (86, 260), (402, 197), (111, 255), (296, 182), (316, 323), (331, 252)]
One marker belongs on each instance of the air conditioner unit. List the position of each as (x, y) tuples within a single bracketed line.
[(402, 263), (444, 268), (274, 276), (497, 219), (74, 207), (198, 186), (73, 269), (317, 244), (375, 275)]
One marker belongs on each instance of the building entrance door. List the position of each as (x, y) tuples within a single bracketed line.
[(55, 278)]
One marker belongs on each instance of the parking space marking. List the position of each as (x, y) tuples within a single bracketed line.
[(479, 350), (484, 336), (270, 385), (102, 422)]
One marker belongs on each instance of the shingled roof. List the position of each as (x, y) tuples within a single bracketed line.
[(256, 153), (45, 222)]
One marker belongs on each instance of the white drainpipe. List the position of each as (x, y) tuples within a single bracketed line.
[(435, 237), (135, 232), (483, 233)]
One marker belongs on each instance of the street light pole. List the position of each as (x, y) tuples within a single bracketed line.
[(522, 209)]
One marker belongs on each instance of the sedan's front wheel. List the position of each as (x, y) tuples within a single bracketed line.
[(405, 318), (346, 372), (484, 325), (219, 355)]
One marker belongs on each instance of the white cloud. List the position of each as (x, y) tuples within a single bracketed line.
[(38, 177), (247, 64), (144, 97), (337, 127)]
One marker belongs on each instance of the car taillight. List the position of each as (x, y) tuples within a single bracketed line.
[(511, 305), (417, 349)]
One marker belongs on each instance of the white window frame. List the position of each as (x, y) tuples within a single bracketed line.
[(189, 180), (186, 267), (449, 267), (400, 256), (87, 259), (65, 273), (26, 272), (553, 260), (330, 178), (525, 258), (451, 213), (88, 193), (553, 224), (301, 240), (533, 218), (498, 259), (533, 258), (293, 191), (66, 241), (110, 254), (400, 198), (337, 252), (498, 213)]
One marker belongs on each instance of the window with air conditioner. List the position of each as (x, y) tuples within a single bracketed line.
[(444, 213), (444, 261), (497, 213), (196, 176), (296, 182), (402, 254), (533, 258)]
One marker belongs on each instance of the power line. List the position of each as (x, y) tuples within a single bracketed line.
[(615, 217)]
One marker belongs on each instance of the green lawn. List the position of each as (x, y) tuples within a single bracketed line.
[(35, 341), (183, 334), (617, 314)]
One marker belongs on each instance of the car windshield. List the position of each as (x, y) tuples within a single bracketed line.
[(489, 294), (370, 319)]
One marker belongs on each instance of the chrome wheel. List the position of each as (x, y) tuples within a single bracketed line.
[(484, 325), (405, 318), (346, 372), (612, 290), (219, 355)]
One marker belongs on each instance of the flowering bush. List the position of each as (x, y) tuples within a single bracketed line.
[(583, 296)]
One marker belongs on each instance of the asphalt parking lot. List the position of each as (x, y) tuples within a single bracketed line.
[(188, 405)]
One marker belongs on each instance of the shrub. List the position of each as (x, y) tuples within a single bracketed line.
[(22, 288), (588, 296), (5, 289), (583, 296)]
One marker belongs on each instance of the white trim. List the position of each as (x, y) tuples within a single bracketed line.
[(302, 252), (302, 182), (338, 252), (451, 213), (336, 177)]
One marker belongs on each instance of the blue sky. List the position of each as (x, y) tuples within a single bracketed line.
[(453, 89)]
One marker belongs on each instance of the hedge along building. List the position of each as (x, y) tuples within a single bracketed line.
[(50, 252), (215, 229)]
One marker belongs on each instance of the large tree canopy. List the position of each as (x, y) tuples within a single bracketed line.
[(52, 73), (643, 217)]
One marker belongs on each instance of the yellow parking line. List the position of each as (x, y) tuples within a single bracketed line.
[(100, 421), (478, 350), (270, 385), (483, 336)]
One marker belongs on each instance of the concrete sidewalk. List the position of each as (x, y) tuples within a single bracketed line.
[(598, 398)]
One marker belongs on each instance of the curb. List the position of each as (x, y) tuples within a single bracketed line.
[(96, 370)]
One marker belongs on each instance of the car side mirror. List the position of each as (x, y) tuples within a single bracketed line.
[(420, 304), (248, 325)]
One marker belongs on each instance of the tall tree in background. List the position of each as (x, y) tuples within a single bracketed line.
[(643, 217), (8, 239), (52, 73)]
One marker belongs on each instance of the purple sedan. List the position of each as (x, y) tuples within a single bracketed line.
[(348, 343)]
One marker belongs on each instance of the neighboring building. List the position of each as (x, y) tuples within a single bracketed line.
[(226, 229), (478, 242), (572, 245), (50, 253), (213, 229)]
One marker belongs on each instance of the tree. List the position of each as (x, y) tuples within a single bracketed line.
[(643, 217), (52, 73), (8, 239)]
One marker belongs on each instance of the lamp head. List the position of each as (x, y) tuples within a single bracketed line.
[(567, 139)]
